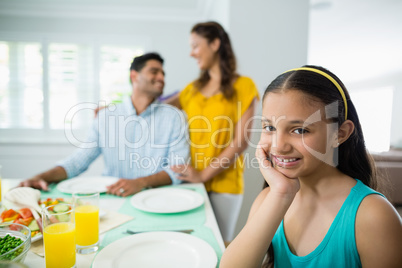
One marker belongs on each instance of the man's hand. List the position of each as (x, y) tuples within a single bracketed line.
[(35, 182), (126, 187), (41, 181)]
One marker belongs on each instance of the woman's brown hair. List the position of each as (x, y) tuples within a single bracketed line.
[(212, 30)]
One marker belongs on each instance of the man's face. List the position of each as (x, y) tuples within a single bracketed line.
[(150, 79)]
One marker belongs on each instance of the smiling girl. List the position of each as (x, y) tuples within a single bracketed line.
[(321, 208)]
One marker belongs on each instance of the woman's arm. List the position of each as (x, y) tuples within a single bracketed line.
[(378, 233), (227, 156), (236, 147), (174, 100)]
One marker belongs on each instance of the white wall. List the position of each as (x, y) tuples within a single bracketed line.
[(394, 80), (360, 41)]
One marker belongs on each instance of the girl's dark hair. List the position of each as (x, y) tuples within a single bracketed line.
[(212, 30), (353, 157)]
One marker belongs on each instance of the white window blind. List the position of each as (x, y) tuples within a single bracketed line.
[(21, 94), (74, 73), (70, 81)]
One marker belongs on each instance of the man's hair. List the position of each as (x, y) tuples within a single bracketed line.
[(140, 61)]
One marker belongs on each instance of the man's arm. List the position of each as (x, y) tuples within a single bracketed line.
[(42, 180)]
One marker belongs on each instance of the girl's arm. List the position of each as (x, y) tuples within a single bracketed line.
[(378, 233), (227, 156), (250, 246)]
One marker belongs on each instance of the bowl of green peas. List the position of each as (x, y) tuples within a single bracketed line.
[(15, 241)]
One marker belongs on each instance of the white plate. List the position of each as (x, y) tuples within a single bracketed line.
[(157, 249), (93, 184), (167, 200)]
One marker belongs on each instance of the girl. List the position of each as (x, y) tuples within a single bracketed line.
[(219, 105), (321, 208)]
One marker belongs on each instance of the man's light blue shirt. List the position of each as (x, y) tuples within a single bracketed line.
[(132, 145)]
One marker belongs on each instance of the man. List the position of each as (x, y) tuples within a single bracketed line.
[(139, 138)]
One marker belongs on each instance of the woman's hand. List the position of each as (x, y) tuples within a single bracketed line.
[(277, 182), (188, 173)]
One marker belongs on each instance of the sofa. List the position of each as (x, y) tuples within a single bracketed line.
[(389, 164)]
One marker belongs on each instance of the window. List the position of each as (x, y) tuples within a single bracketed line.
[(40, 82), (374, 108), (21, 95)]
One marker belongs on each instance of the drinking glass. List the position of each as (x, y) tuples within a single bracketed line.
[(86, 206), (0, 184), (59, 236)]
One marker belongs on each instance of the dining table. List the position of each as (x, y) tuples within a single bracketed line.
[(120, 215)]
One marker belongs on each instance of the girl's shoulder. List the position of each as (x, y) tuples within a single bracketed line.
[(378, 232), (375, 211)]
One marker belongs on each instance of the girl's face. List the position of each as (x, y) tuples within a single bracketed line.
[(202, 51), (294, 135)]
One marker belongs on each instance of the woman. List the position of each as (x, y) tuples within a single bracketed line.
[(220, 105)]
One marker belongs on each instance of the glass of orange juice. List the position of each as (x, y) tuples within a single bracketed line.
[(59, 236), (86, 206)]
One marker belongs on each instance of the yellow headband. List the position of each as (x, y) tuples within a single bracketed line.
[(331, 79)]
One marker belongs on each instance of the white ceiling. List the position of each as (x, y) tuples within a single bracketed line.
[(357, 39), (156, 10)]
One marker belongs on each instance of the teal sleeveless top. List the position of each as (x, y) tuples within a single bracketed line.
[(338, 248)]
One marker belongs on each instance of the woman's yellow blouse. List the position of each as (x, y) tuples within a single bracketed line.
[(212, 122)]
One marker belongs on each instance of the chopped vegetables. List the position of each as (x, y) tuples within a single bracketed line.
[(49, 202), (10, 215), (24, 215)]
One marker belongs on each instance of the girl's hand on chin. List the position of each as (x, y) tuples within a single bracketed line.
[(277, 182)]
